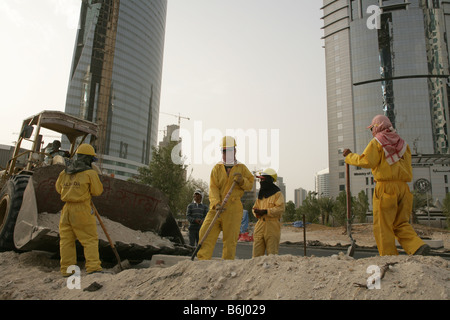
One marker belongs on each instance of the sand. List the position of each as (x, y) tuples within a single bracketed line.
[(35, 275)]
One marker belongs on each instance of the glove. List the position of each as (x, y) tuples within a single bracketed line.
[(219, 207), (239, 179), (259, 213)]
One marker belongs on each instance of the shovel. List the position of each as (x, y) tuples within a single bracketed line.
[(351, 249), (121, 265), (224, 202)]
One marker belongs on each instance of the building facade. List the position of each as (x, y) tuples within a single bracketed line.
[(300, 194), (387, 57), (322, 183), (115, 78)]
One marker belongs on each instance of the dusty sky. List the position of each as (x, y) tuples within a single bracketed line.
[(254, 69)]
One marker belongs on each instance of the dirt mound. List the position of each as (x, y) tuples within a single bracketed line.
[(34, 275)]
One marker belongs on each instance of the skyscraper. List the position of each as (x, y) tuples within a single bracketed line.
[(115, 78), (387, 57)]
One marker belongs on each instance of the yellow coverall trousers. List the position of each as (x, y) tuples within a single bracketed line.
[(229, 222), (392, 206), (77, 222)]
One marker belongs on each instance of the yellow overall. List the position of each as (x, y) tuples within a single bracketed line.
[(266, 237), (77, 218), (229, 221), (392, 200)]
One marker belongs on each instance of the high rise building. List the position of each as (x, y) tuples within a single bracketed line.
[(388, 57), (115, 78), (323, 183), (300, 194)]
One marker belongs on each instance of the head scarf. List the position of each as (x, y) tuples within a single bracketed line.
[(81, 163), (268, 188), (394, 147)]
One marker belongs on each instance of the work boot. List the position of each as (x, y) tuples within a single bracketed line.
[(424, 250)]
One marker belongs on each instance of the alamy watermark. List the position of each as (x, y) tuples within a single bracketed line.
[(74, 280), (374, 281), (255, 147), (374, 20)]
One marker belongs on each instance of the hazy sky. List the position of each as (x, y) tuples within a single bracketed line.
[(253, 68)]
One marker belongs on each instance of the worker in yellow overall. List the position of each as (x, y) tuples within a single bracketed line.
[(77, 184), (389, 157), (268, 208), (222, 176)]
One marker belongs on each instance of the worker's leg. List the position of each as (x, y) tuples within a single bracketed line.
[(207, 247), (259, 245), (406, 235), (273, 234), (232, 218), (67, 248), (85, 228), (192, 236), (384, 213)]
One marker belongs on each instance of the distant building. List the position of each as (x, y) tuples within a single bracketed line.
[(5, 154), (115, 79), (388, 57), (300, 194), (282, 186), (171, 134), (323, 183)]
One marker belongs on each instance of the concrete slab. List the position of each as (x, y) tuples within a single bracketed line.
[(434, 244)]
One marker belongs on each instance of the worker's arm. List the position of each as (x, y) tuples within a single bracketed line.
[(279, 207), (369, 159), (189, 216), (58, 184), (256, 206), (96, 187), (214, 191), (244, 178)]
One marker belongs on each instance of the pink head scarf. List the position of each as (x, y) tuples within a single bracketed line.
[(394, 147)]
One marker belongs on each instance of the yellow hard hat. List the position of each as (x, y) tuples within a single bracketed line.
[(228, 142), (86, 148), (269, 172)]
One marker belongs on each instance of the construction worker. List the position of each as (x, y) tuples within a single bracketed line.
[(268, 208), (195, 213), (53, 150), (77, 184), (222, 176), (389, 157)]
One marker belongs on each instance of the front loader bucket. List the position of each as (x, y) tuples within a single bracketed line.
[(134, 206)]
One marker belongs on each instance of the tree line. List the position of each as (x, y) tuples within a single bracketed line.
[(171, 178)]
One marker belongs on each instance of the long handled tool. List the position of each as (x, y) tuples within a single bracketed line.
[(222, 207), (351, 249), (121, 265)]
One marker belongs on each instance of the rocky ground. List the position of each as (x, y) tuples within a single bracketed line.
[(35, 275)]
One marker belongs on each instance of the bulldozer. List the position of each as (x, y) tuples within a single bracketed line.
[(28, 191)]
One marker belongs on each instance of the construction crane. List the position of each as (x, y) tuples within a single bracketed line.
[(178, 116)]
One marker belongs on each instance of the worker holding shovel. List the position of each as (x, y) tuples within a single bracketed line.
[(389, 157), (228, 175), (77, 184)]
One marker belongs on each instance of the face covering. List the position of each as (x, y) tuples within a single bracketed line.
[(268, 188), (81, 163)]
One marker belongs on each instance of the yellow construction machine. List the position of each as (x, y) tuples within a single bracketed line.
[(28, 191)]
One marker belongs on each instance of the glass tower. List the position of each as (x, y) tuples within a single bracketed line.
[(385, 57), (115, 78)]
